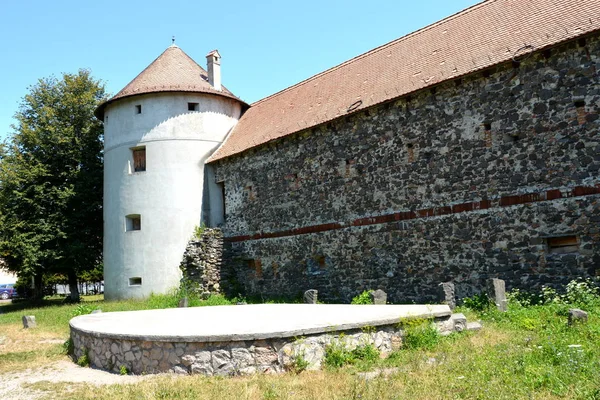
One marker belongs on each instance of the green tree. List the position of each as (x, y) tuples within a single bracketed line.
[(51, 181)]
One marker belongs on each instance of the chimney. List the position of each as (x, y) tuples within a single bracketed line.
[(213, 64)]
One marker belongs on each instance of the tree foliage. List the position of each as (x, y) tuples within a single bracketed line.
[(51, 179)]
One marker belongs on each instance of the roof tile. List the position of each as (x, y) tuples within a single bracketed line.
[(486, 34)]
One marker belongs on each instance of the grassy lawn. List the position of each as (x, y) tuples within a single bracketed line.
[(528, 352)]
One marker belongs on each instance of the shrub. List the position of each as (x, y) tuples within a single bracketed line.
[(420, 334), (479, 302), (337, 355), (68, 347), (367, 352), (363, 298)]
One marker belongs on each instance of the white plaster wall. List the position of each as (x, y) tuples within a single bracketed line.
[(7, 277), (168, 195)]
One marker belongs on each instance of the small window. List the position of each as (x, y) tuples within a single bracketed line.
[(563, 244), (133, 222), (135, 281), (138, 109), (139, 159), (193, 107)]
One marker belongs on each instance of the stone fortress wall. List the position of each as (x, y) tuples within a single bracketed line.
[(491, 175)]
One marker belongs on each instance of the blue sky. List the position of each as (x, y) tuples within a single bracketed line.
[(266, 45)]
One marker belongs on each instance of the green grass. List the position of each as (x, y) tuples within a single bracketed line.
[(529, 352)]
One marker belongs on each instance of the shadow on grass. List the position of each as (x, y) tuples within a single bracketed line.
[(19, 305)]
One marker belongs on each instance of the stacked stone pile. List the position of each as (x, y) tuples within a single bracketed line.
[(202, 261)]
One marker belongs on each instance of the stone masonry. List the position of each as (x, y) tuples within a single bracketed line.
[(473, 179), (202, 261), (236, 357)]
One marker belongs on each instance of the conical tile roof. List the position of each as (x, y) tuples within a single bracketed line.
[(172, 71)]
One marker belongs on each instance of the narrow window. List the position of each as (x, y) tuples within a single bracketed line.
[(487, 134), (221, 186), (256, 265), (133, 222), (139, 159), (410, 150), (138, 109), (193, 107), (135, 281), (580, 108), (563, 244)]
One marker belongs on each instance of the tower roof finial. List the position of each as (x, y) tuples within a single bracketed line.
[(173, 40)]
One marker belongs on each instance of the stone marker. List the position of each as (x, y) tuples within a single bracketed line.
[(577, 316), (98, 311), (474, 326), (496, 291), (446, 294), (310, 296), (460, 322), (183, 302), (378, 296), (29, 321)]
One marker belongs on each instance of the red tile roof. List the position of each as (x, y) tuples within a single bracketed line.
[(172, 71), (486, 34)]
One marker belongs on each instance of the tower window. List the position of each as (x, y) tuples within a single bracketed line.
[(135, 281), (193, 107), (139, 159), (138, 109), (133, 222)]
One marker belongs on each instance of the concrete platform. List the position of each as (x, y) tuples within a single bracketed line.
[(234, 340), (247, 322)]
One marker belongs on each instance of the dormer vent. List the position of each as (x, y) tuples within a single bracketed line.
[(213, 64)]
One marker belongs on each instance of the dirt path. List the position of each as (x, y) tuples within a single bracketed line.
[(62, 371)]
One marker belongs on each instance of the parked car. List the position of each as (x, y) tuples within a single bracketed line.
[(7, 291)]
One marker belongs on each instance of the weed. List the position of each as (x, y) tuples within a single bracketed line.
[(299, 363), (363, 298), (420, 334), (84, 360), (123, 370), (337, 354), (199, 231), (366, 352), (68, 347), (83, 309)]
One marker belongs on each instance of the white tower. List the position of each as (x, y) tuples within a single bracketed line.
[(158, 132)]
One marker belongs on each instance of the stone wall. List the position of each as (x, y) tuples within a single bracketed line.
[(202, 261), (273, 355), (468, 180)]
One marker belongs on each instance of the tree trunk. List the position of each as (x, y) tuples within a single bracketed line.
[(38, 287), (73, 287)]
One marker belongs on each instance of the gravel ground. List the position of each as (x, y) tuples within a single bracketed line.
[(62, 371)]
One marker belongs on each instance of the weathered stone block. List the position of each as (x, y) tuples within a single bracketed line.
[(446, 294), (460, 322), (577, 316), (378, 296), (29, 321), (310, 296), (496, 290)]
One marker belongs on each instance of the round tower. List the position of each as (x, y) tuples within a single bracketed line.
[(158, 132)]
